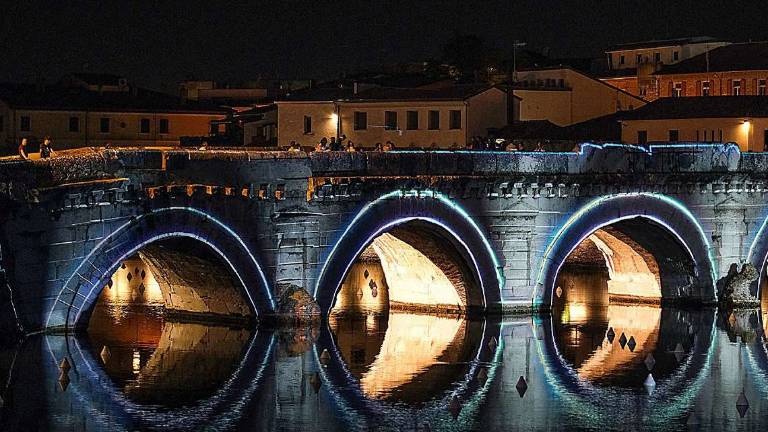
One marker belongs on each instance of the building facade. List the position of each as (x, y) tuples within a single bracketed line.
[(631, 67), (732, 70), (565, 96), (722, 119), (419, 118), (76, 116)]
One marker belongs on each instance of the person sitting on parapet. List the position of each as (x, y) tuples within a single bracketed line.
[(46, 148), (324, 143), (350, 147), (23, 149), (378, 147)]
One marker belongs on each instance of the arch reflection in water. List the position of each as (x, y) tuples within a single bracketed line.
[(164, 363), (406, 357)]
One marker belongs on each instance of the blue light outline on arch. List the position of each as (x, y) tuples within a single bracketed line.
[(87, 258), (427, 193), (600, 200)]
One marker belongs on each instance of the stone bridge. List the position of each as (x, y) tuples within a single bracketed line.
[(503, 222)]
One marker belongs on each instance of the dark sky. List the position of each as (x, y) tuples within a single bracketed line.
[(157, 43)]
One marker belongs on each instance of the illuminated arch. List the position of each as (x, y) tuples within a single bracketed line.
[(80, 291), (397, 208), (660, 209)]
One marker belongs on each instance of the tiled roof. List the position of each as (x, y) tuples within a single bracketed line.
[(69, 98), (448, 93), (702, 107), (734, 57), (662, 43)]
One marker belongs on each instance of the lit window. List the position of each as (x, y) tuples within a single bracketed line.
[(390, 120), (736, 87), (361, 120), (761, 87), (307, 125), (163, 126), (144, 126), (25, 124), (677, 89)]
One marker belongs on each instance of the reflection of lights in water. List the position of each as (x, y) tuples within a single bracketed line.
[(136, 362), (132, 284), (412, 344), (640, 322), (630, 275)]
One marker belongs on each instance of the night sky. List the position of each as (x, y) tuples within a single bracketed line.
[(158, 43)]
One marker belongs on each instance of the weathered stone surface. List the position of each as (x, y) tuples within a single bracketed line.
[(736, 291), (297, 307), (282, 215)]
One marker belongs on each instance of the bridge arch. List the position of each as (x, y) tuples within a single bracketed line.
[(758, 257), (429, 211), (81, 289), (661, 214)]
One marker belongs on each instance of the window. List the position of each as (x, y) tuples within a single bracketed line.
[(25, 124), (163, 127), (736, 87), (720, 132), (657, 57), (455, 119), (561, 83), (621, 59), (642, 137), (2, 123), (104, 125), (676, 56), (677, 89), (765, 140), (705, 88), (639, 59), (74, 124), (412, 120), (761, 87), (144, 126), (674, 135), (307, 125), (434, 120), (361, 120), (390, 120)]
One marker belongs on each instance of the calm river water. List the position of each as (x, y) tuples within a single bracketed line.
[(599, 367)]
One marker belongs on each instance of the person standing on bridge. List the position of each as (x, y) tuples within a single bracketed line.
[(23, 149), (46, 148)]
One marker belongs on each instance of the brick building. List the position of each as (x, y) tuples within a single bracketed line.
[(733, 70)]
